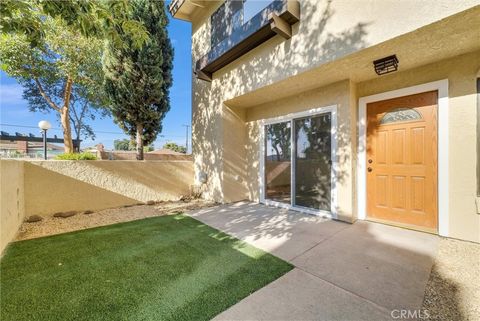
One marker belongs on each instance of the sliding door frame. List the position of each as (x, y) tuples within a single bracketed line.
[(261, 177)]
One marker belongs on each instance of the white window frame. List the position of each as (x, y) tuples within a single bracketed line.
[(441, 86), (261, 177)]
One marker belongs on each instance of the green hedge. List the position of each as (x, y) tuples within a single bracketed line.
[(76, 156)]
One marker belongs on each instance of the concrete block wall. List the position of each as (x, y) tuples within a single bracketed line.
[(46, 187), (12, 201)]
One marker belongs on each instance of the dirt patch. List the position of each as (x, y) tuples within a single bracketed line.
[(54, 225), (453, 289)]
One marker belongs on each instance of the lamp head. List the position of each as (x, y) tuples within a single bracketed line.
[(44, 125)]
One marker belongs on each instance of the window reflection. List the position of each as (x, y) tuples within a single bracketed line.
[(313, 163), (278, 162), (252, 7)]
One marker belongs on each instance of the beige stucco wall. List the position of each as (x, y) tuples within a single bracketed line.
[(54, 186), (12, 209), (46, 187)]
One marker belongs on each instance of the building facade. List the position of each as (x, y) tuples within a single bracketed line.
[(350, 109)]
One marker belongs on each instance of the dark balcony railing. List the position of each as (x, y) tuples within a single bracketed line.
[(174, 6), (276, 18)]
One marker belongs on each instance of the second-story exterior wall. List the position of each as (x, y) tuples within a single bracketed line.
[(328, 30)]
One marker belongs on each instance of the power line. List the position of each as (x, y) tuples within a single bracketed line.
[(96, 131), (25, 126)]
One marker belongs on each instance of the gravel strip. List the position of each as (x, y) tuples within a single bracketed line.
[(453, 290), (56, 225)]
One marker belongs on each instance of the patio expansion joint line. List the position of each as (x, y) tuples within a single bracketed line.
[(376, 305), (318, 243)]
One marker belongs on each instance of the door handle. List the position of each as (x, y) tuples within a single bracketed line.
[(369, 169), (370, 161)]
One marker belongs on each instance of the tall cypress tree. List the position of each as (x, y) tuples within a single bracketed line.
[(137, 81)]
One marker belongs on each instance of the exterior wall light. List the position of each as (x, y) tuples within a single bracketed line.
[(386, 65), (44, 126)]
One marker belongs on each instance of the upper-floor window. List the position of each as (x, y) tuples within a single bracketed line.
[(227, 18), (252, 7), (238, 26), (232, 15)]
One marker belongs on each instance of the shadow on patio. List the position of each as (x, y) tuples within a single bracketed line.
[(361, 271)]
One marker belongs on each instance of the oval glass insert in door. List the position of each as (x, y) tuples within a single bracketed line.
[(313, 162)]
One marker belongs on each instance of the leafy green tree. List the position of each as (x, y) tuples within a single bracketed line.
[(62, 60), (128, 144), (58, 43), (123, 144), (137, 81), (92, 18), (279, 136), (84, 105), (175, 147), (148, 148)]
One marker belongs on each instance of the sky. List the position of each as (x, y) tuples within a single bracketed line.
[(14, 110)]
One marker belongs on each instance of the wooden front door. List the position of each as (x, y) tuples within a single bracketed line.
[(402, 161)]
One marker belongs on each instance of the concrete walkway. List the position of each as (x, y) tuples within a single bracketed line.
[(360, 271)]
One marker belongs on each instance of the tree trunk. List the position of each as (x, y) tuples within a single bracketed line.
[(139, 141), (65, 117), (78, 130), (77, 146), (67, 131)]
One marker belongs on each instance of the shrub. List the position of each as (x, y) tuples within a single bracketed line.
[(76, 156)]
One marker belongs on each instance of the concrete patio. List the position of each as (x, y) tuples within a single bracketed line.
[(360, 271)]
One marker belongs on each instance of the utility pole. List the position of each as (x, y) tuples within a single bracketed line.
[(186, 137)]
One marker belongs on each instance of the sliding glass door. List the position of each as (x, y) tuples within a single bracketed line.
[(298, 162)]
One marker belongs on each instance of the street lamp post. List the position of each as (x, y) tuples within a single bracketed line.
[(186, 138), (44, 126)]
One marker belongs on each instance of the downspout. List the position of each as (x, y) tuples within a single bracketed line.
[(478, 143)]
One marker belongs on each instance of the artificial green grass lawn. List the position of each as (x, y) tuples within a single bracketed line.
[(161, 268)]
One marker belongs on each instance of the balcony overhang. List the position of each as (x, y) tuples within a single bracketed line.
[(183, 9), (413, 49), (276, 19)]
